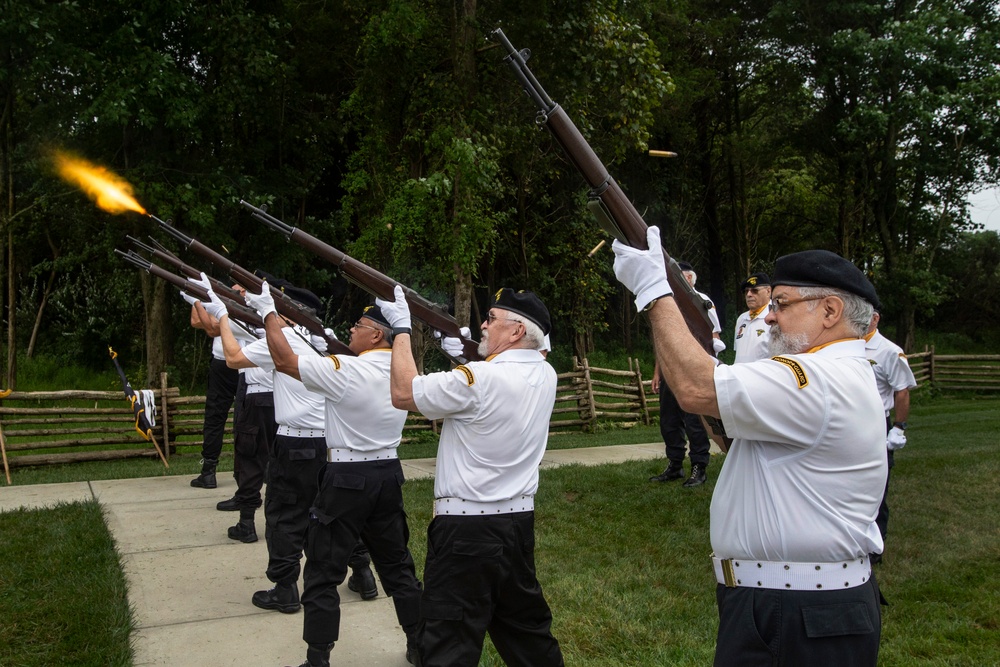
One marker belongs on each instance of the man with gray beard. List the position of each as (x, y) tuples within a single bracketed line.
[(793, 511)]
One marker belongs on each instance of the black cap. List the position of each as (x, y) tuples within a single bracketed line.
[(299, 294), (756, 280), (685, 266), (822, 268), (524, 303), (374, 313)]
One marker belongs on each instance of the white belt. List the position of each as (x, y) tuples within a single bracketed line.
[(750, 573), (341, 455), (258, 389), (295, 432), (460, 507)]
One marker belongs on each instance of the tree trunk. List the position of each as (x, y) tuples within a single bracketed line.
[(158, 336), (41, 311), (7, 181)]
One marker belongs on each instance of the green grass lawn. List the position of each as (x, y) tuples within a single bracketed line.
[(623, 562)]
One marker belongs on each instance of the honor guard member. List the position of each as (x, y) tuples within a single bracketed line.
[(360, 492), (793, 511), (894, 380), (220, 395), (298, 453), (480, 571), (675, 423), (254, 425), (752, 329)]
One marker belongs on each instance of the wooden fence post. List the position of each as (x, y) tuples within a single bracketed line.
[(930, 377), (164, 414), (642, 391)]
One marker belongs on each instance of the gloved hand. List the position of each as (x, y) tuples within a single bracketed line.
[(546, 344), (187, 297), (263, 303), (215, 307), (643, 272), (203, 282), (896, 439), (319, 342), (396, 312), (718, 345), (452, 346)]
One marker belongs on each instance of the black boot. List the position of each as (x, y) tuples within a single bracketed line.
[(206, 480), (697, 477), (673, 471), (362, 582), (231, 505), (413, 649), (283, 598), (245, 531), (317, 655)]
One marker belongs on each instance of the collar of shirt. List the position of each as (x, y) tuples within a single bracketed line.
[(376, 349), (844, 347), (517, 355), (754, 314)]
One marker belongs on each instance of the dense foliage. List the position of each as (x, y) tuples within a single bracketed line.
[(393, 130)]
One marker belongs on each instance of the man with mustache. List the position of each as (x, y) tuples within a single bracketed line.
[(793, 511), (751, 339), (480, 571)]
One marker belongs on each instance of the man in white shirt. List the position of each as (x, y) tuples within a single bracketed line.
[(752, 330), (793, 511), (894, 379), (480, 571)]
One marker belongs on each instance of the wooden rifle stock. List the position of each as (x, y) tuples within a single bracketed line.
[(283, 304), (372, 281), (608, 203)]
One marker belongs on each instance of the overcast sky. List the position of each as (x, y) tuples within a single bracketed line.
[(986, 208)]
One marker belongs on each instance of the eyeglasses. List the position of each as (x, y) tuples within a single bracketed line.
[(779, 304), (755, 290), (491, 318), (358, 325)]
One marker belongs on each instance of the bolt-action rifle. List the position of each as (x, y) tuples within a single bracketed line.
[(375, 283), (237, 311), (285, 305), (614, 212)]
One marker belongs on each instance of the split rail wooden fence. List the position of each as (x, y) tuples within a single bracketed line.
[(39, 428)]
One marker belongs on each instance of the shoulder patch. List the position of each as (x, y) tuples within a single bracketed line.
[(796, 368), (470, 379), (335, 360)]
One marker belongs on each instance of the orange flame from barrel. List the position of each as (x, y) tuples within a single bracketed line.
[(111, 192)]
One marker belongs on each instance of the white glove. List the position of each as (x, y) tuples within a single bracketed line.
[(896, 439), (546, 344), (215, 307), (203, 283), (263, 303), (397, 312), (187, 297), (718, 345), (452, 346), (318, 342), (643, 272)]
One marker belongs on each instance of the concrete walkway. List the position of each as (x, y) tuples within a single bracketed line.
[(190, 585)]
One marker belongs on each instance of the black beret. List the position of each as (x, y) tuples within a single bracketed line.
[(685, 266), (374, 313), (524, 303), (822, 268), (756, 280)]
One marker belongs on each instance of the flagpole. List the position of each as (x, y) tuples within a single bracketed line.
[(3, 450)]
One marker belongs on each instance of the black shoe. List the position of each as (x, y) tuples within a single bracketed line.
[(245, 532), (672, 472), (281, 598), (697, 477), (362, 582), (413, 651), (231, 505), (205, 481)]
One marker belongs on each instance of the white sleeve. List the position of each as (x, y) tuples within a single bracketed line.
[(455, 394), (258, 354), (327, 376)]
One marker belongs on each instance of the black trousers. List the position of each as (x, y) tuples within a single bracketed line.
[(882, 518), (254, 433), (219, 397), (674, 423), (479, 578), (779, 628), (357, 500), (292, 484)]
